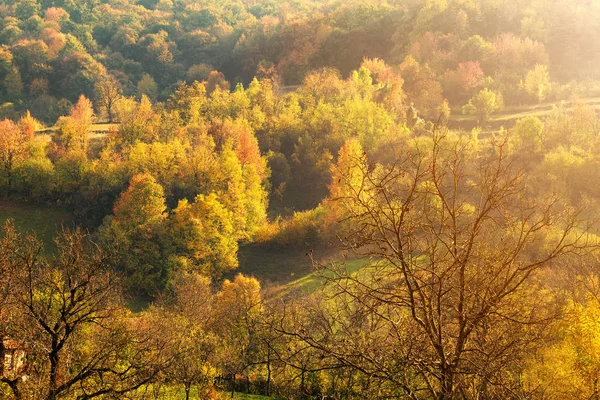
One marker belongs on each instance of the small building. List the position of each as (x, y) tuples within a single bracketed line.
[(13, 356)]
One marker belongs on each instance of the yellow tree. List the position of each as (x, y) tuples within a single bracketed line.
[(13, 148), (537, 82), (73, 131), (345, 173), (137, 121), (238, 307), (483, 105), (134, 231), (186, 324), (203, 236), (568, 367)]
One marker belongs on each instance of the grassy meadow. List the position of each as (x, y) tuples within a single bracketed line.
[(44, 221)]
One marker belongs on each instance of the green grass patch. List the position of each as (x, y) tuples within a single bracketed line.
[(279, 265), (178, 393), (245, 396), (44, 221), (315, 280)]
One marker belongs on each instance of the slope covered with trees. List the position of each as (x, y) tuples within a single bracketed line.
[(465, 262), (54, 51)]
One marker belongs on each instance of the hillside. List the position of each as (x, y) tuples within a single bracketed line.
[(300, 199)]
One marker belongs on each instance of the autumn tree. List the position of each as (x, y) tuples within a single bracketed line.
[(9, 311), (483, 105), (78, 336), (137, 121), (463, 82), (216, 80), (134, 231), (568, 365), (455, 241), (537, 82), (203, 236), (238, 307), (241, 187), (421, 87), (108, 92), (187, 325), (73, 131), (28, 125), (346, 169), (13, 148)]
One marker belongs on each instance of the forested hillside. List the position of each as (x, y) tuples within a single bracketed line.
[(409, 188), (54, 51)]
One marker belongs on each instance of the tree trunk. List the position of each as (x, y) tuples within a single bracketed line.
[(53, 384), (13, 384), (447, 384), (247, 382), (187, 391), (2, 350), (232, 385), (268, 372)]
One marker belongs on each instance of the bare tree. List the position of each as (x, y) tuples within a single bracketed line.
[(10, 320), (455, 239), (108, 94), (82, 343)]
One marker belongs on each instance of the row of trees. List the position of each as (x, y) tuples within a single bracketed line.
[(203, 167)]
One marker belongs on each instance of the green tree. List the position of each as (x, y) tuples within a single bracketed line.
[(537, 82), (135, 231), (13, 85), (203, 236), (26, 9), (529, 135), (147, 87), (483, 105)]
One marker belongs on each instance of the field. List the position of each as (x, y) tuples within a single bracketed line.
[(280, 266), (44, 221), (281, 271), (511, 114), (97, 128)]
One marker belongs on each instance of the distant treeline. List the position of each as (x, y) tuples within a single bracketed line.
[(54, 51)]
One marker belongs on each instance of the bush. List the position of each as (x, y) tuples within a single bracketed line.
[(304, 228)]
